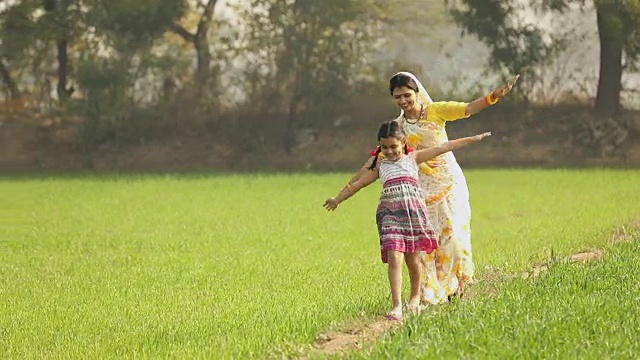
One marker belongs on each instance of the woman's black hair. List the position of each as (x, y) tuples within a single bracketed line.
[(400, 80)]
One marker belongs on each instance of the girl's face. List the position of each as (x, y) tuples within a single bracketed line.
[(392, 148), (404, 98)]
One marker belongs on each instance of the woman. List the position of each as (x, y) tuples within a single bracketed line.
[(450, 267)]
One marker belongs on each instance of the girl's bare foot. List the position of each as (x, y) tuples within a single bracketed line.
[(395, 314), (413, 302), (413, 306)]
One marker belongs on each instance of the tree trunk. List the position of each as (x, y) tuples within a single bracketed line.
[(611, 33), (8, 81), (200, 41), (53, 6), (63, 70), (290, 129), (203, 70)]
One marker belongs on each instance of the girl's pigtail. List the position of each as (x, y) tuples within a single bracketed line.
[(375, 159)]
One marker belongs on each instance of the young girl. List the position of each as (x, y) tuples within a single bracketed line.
[(403, 225)]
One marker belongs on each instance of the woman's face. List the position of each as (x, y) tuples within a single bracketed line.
[(404, 98)]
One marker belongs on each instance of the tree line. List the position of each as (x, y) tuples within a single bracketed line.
[(132, 68)]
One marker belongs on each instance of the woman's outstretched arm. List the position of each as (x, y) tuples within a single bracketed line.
[(482, 103)]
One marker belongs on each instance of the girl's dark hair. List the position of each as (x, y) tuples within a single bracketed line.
[(400, 80), (389, 129)]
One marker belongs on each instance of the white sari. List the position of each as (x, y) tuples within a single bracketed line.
[(447, 199)]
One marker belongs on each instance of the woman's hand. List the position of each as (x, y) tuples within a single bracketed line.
[(330, 204), (498, 94), (492, 98)]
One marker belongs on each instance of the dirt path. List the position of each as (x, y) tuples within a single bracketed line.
[(354, 336), (357, 335)]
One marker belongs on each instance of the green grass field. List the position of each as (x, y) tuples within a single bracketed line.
[(574, 311), (197, 266)]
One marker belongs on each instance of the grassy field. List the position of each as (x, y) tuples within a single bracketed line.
[(205, 266), (574, 311)]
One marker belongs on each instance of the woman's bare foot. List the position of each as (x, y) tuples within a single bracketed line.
[(459, 292)]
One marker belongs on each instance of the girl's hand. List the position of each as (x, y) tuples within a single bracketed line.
[(330, 204), (498, 94), (482, 136)]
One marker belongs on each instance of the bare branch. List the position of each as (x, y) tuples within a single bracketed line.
[(186, 35)]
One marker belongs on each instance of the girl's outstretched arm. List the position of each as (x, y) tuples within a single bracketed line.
[(365, 180), (363, 170), (428, 154)]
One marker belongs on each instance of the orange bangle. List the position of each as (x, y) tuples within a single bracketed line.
[(349, 187), (491, 100)]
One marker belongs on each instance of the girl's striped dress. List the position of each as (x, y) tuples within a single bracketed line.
[(401, 217)]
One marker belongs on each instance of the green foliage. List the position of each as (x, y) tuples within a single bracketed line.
[(515, 46), (306, 56), (314, 49), (105, 107), (109, 107), (17, 30), (89, 28), (29, 22), (526, 47), (134, 24)]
